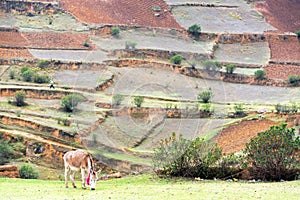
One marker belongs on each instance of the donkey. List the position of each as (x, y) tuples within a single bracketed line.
[(80, 160)]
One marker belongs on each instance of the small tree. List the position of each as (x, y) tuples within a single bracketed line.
[(12, 74), (115, 31), (138, 100), (177, 59), (274, 154), (205, 96), (70, 101), (27, 172), (230, 68), (195, 30), (20, 98), (117, 99), (259, 74)]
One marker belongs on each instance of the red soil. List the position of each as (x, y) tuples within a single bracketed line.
[(235, 137), (56, 40), (125, 12), (284, 49), (282, 14), (12, 39), (283, 72), (14, 53)]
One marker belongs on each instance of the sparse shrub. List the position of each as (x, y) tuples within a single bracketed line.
[(176, 156), (176, 59), (285, 109), (259, 74), (70, 101), (138, 100), (20, 98), (230, 68), (20, 147), (64, 121), (195, 30), (130, 45), (27, 172), (155, 8), (117, 99), (294, 80), (115, 31), (94, 136), (6, 151), (12, 74), (205, 96), (212, 65), (274, 154), (42, 64), (206, 108)]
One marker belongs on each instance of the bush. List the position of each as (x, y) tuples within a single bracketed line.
[(70, 101), (195, 30), (115, 31), (294, 80), (12, 74), (130, 45), (187, 158), (230, 68), (28, 75), (138, 100), (86, 44), (212, 65), (274, 154), (117, 99), (206, 108), (177, 59), (239, 110), (20, 98), (259, 74), (27, 172), (205, 96), (43, 64), (24, 69), (41, 78), (6, 151), (298, 34)]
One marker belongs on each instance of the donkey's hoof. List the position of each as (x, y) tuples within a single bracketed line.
[(67, 186), (84, 188), (74, 186)]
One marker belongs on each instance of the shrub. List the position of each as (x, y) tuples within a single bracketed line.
[(230, 68), (294, 80), (212, 65), (206, 108), (274, 154), (117, 99), (6, 151), (41, 78), (259, 74), (27, 172), (70, 101), (239, 109), (12, 74), (43, 64), (195, 30), (138, 100), (20, 98), (189, 158), (205, 96), (115, 31), (298, 34), (130, 45), (86, 44), (27, 75), (177, 59), (24, 69)]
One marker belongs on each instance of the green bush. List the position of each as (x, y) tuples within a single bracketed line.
[(195, 30), (298, 34), (41, 78), (12, 74), (212, 65), (205, 96), (239, 109), (86, 44), (176, 156), (117, 99), (274, 154), (6, 151), (138, 100), (230, 68), (43, 64), (70, 101), (20, 98), (130, 45), (28, 75), (294, 80), (115, 31), (259, 74), (176, 59), (27, 172), (24, 69)]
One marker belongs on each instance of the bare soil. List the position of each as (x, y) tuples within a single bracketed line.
[(283, 14), (15, 53), (127, 12), (278, 71), (235, 137)]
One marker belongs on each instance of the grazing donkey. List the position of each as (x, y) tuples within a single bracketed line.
[(80, 160)]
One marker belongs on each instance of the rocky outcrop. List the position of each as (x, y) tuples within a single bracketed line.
[(9, 171)]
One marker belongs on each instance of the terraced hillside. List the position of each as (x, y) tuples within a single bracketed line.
[(73, 44)]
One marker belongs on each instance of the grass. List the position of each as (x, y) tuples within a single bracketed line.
[(149, 187)]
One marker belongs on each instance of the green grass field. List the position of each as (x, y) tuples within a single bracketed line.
[(149, 187)]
